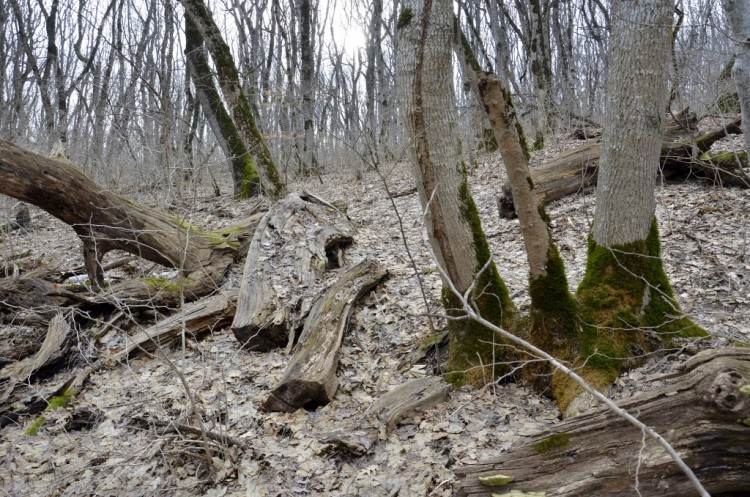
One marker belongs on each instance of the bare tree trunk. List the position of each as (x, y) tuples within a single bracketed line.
[(738, 15), (458, 243), (307, 87)]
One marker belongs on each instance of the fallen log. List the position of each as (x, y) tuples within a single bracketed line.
[(294, 244), (310, 378), (403, 402), (105, 221), (703, 411), (576, 170), (194, 319)]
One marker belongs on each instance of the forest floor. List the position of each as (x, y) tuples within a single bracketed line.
[(704, 229)]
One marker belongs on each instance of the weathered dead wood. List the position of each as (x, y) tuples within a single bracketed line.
[(701, 411), (310, 378), (50, 351), (41, 296), (196, 318), (15, 378), (576, 170), (105, 221), (404, 401), (294, 244)]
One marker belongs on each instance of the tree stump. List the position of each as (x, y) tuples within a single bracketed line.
[(703, 411)]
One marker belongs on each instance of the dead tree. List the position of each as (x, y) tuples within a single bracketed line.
[(703, 411), (105, 221), (294, 244)]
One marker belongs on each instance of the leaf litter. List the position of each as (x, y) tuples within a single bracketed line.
[(704, 242)]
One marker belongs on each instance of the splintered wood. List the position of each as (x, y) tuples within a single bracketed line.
[(293, 246), (310, 378)]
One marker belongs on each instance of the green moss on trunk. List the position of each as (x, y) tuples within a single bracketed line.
[(554, 312), (627, 310), (474, 349)]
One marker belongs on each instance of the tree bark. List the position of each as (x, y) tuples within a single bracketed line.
[(425, 90), (105, 221), (682, 156), (738, 15), (231, 87), (625, 297), (700, 411), (244, 176)]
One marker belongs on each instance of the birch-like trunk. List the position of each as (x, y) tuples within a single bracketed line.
[(738, 16), (425, 87)]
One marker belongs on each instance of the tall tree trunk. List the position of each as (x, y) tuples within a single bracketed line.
[(245, 177), (738, 15), (229, 81), (307, 73), (425, 89), (553, 309), (625, 296)]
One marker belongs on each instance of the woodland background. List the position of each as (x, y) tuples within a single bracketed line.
[(107, 86)]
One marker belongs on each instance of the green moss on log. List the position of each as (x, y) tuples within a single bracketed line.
[(55, 402), (551, 443)]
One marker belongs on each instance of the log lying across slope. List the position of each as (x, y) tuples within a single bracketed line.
[(310, 378), (105, 221), (703, 411), (682, 149)]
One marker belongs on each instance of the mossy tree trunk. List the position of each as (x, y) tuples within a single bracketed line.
[(738, 16), (244, 175), (553, 308), (625, 297), (231, 87), (425, 88)]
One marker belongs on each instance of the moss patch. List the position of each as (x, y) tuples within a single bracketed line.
[(552, 442), (404, 18), (627, 310), (160, 284), (55, 402)]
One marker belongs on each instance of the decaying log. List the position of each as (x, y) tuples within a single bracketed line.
[(293, 245), (384, 414), (16, 378), (195, 318), (576, 170), (703, 411), (310, 378), (105, 221)]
